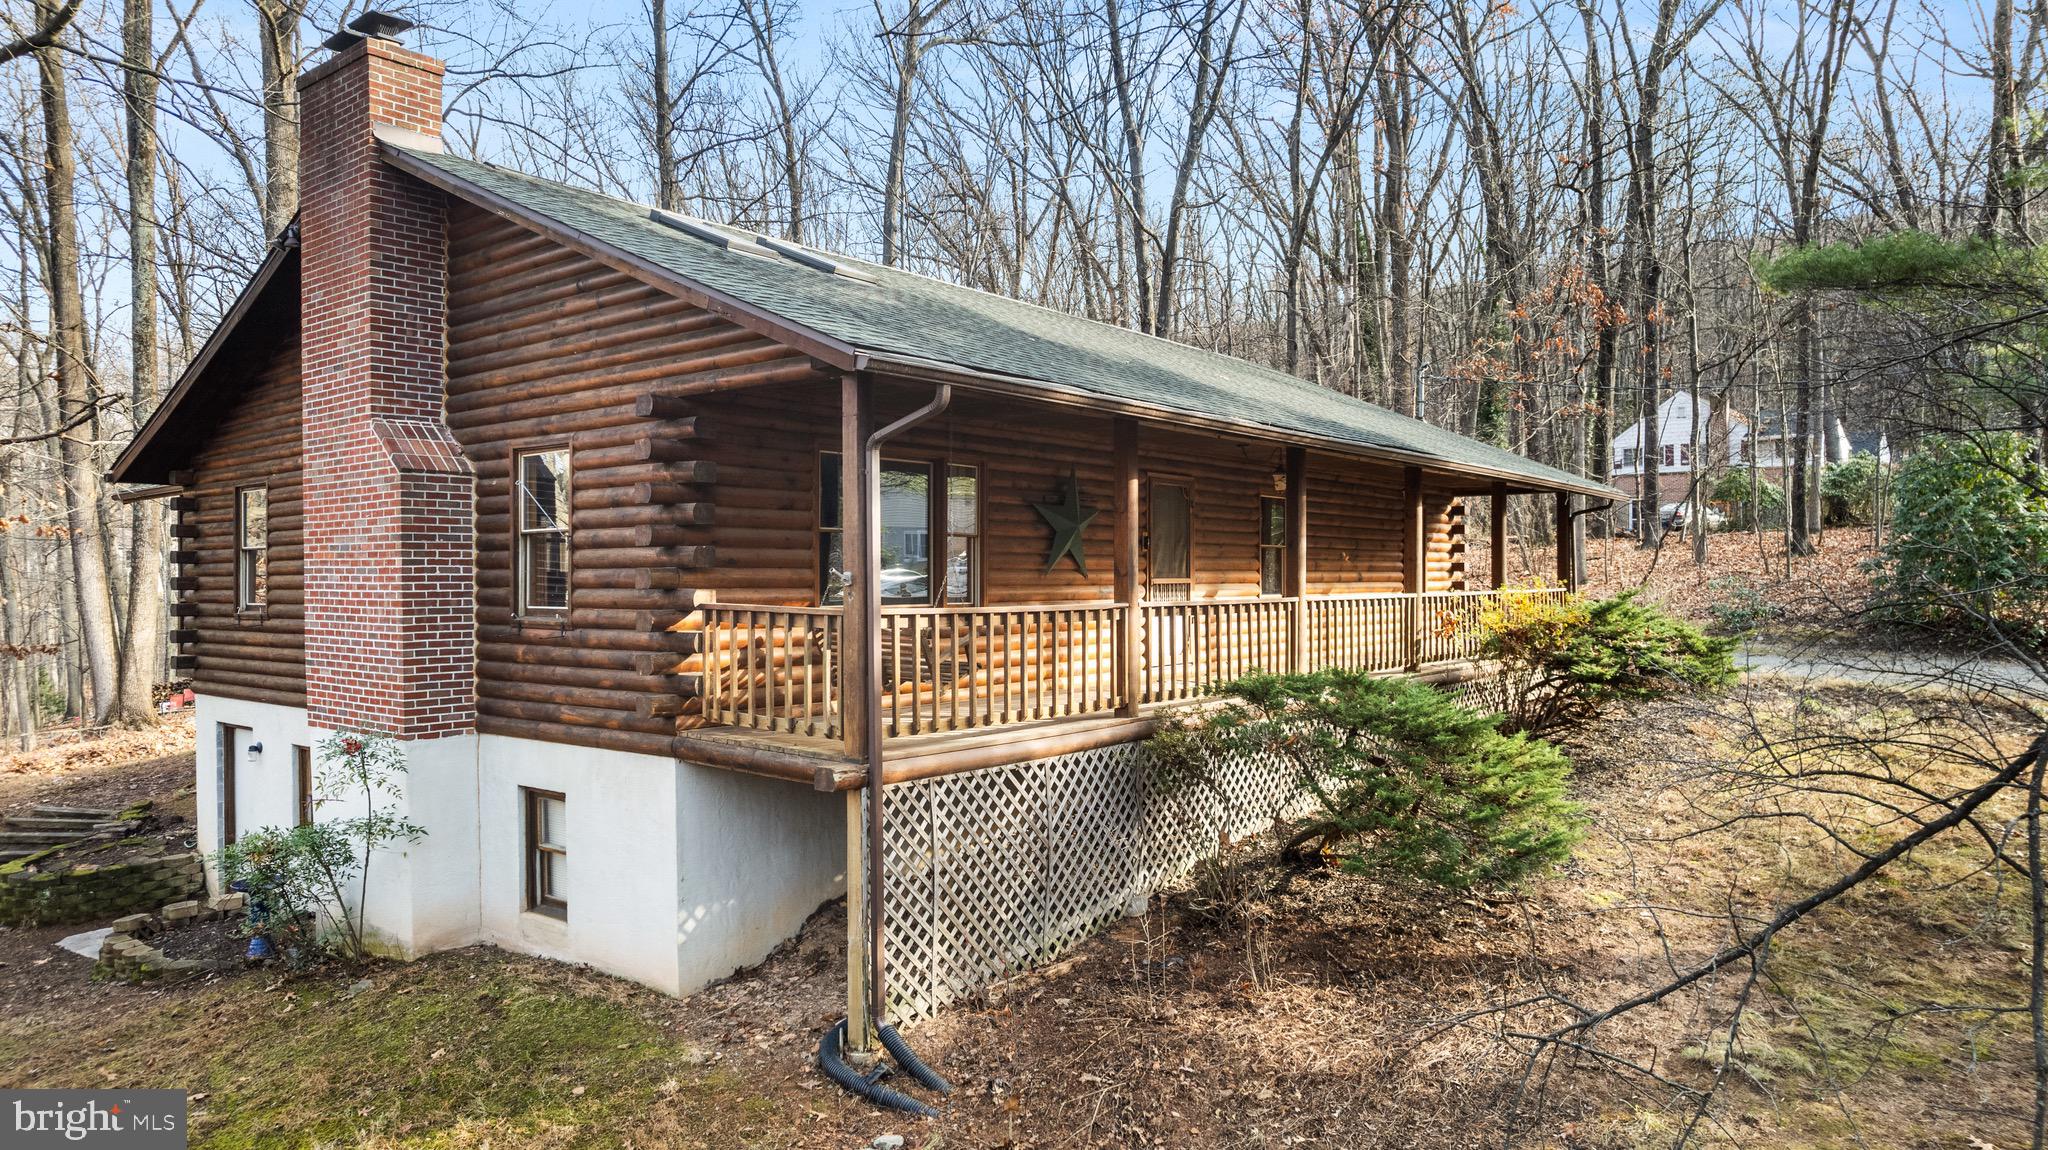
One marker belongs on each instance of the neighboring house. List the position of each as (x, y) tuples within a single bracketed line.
[(1727, 439), (547, 486)]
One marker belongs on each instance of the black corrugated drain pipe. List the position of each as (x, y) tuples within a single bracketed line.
[(867, 567)]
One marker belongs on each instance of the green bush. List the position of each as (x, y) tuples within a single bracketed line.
[(1848, 490), (1563, 661), (1732, 491), (1740, 608), (291, 875), (1407, 784), (1969, 535)]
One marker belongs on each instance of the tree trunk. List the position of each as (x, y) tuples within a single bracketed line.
[(277, 27), (75, 401), (667, 180), (142, 648)]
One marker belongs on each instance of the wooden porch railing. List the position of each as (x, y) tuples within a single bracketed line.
[(951, 668), (773, 668), (960, 668), (1191, 647)]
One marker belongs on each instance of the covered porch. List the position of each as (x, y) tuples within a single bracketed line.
[(1225, 554)]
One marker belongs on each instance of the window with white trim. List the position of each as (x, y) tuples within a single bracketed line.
[(542, 561)]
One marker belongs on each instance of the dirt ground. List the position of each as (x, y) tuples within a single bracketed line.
[(1826, 588), (1335, 1013)]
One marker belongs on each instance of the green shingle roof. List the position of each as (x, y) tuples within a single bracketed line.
[(891, 314)]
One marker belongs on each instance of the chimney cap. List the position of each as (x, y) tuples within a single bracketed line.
[(370, 25)]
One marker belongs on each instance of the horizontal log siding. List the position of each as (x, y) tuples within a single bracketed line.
[(548, 347), (768, 440), (1444, 559), (254, 655), (1354, 527)]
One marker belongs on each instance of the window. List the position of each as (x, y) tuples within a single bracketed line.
[(547, 852), (543, 555), (302, 784), (252, 546), (1669, 455), (1629, 455), (1685, 455), (910, 520), (1272, 546), (963, 534)]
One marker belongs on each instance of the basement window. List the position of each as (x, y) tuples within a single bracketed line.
[(252, 547), (542, 561), (547, 852)]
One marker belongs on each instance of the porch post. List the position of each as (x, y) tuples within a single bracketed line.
[(1500, 535), (1297, 558), (860, 1029), (1414, 564), (1567, 543), (856, 419), (1130, 672)]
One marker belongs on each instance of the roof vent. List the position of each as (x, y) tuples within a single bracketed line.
[(760, 247), (811, 259), (370, 25), (691, 226)]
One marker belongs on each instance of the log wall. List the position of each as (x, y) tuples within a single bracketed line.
[(769, 440), (257, 654), (548, 348)]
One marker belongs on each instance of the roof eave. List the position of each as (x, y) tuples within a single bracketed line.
[(281, 251), (1026, 387)]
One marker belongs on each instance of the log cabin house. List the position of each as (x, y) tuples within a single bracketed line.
[(565, 494)]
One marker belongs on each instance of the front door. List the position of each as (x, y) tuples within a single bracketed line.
[(1169, 575)]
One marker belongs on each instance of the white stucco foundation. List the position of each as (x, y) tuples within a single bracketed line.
[(678, 874)]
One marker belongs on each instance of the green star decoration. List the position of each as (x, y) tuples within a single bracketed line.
[(1068, 519)]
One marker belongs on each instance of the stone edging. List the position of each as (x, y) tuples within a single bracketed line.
[(127, 956)]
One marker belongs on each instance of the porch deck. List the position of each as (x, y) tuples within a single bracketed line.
[(962, 685)]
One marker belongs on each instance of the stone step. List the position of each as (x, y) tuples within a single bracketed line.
[(46, 838), (9, 854), (84, 826), (57, 812)]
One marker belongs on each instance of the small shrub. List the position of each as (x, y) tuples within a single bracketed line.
[(306, 871), (1969, 538), (290, 876), (1407, 784), (1741, 609), (1562, 662), (1848, 490)]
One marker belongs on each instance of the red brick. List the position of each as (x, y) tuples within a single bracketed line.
[(389, 499)]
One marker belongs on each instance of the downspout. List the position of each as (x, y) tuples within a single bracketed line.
[(868, 585)]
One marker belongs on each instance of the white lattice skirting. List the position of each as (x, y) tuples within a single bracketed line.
[(996, 871)]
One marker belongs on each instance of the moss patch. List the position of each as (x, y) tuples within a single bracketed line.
[(461, 1049)]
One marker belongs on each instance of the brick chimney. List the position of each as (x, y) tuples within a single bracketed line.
[(390, 545)]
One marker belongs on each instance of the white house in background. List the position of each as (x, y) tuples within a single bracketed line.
[(1726, 438)]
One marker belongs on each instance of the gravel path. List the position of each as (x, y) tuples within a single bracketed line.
[(1907, 670)]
